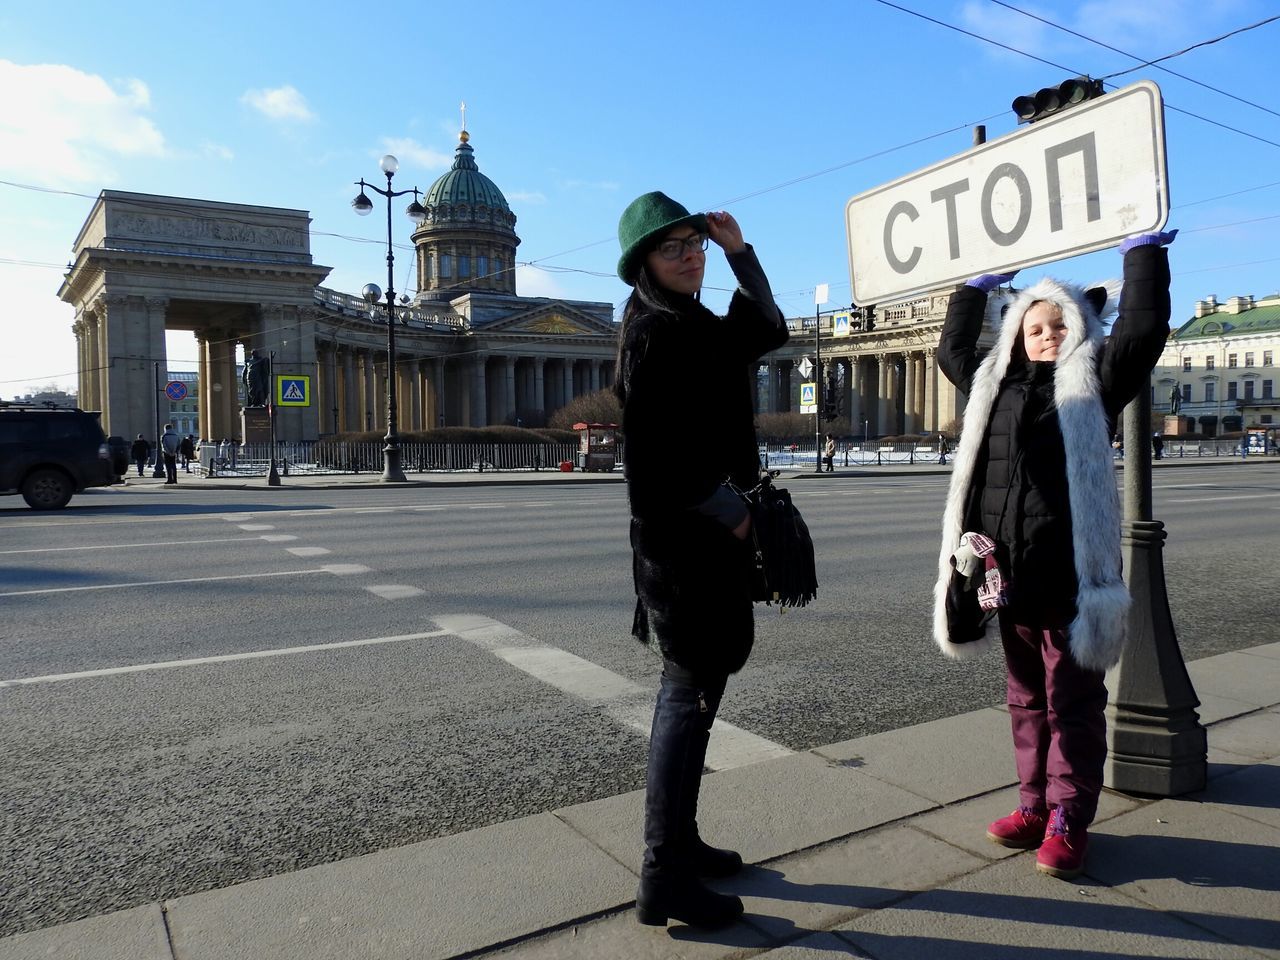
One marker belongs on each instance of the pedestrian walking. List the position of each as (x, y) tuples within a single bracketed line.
[(187, 449), (1033, 523), (1157, 446), (170, 444), (688, 530), (140, 453), (829, 453)]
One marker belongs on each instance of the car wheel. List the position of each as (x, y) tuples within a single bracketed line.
[(47, 489)]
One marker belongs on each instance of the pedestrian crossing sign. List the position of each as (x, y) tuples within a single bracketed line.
[(808, 398), (293, 391), (840, 324)]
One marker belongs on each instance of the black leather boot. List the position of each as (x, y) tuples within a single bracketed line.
[(708, 861), (679, 896), (704, 859)]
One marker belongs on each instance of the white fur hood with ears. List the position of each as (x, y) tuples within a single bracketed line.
[(1097, 634)]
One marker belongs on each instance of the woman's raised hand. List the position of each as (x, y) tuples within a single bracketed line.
[(726, 233)]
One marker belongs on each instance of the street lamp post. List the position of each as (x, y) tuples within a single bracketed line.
[(362, 205)]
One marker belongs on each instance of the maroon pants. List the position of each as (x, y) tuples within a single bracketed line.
[(1059, 727)]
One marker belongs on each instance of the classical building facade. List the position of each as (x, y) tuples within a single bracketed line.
[(1222, 365), (887, 377), (469, 352)]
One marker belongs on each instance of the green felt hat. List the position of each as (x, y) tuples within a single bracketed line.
[(646, 220)]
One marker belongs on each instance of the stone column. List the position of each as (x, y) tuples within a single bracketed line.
[(540, 388), (909, 394), (785, 397), (203, 400), (477, 412), (853, 396), (95, 362), (931, 390), (510, 399), (369, 393), (414, 370), (567, 380), (593, 372), (437, 393), (349, 407), (332, 409), (883, 400), (323, 392)]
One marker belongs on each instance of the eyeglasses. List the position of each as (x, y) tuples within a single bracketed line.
[(674, 249)]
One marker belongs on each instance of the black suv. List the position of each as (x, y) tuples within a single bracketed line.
[(49, 453)]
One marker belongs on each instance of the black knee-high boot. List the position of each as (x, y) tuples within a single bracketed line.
[(706, 860), (669, 885)]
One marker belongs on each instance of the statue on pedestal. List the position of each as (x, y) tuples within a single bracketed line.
[(256, 379)]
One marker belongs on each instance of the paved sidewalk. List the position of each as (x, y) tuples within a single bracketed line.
[(871, 848)]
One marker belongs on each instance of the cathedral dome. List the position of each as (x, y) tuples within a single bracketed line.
[(465, 194)]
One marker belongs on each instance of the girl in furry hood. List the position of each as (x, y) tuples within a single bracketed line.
[(1031, 536)]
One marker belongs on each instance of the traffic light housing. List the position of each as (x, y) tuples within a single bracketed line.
[(1050, 100)]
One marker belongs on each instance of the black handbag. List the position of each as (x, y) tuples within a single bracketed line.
[(783, 565)]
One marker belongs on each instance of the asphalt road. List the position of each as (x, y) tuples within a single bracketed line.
[(129, 786)]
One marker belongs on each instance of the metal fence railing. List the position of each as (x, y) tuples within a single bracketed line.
[(329, 456)]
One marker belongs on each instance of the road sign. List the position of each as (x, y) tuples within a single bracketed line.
[(1077, 182), (808, 397), (805, 366), (840, 324), (293, 391), (175, 390)]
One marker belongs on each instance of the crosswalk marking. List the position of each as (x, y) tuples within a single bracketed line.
[(624, 701)]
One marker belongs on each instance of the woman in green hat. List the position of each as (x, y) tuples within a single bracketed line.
[(688, 530)]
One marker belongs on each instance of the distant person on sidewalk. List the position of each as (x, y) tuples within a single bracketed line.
[(1031, 534), (188, 450), (140, 453), (170, 444), (829, 453), (943, 450), (688, 530), (1157, 446)]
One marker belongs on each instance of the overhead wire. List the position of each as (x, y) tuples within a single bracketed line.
[(1142, 62)]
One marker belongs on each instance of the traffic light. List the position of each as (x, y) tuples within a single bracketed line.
[(1044, 103)]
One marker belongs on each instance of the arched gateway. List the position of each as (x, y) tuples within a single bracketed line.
[(469, 352)]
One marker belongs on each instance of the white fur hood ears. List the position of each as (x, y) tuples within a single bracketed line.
[(1097, 634)]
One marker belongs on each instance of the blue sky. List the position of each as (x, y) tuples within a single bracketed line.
[(776, 112)]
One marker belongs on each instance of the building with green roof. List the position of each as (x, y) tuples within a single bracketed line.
[(1217, 373)]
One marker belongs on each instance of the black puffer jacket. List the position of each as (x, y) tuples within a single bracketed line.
[(1019, 495), (688, 422)]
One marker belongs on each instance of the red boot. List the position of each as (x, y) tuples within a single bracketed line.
[(1023, 829), (1062, 853)]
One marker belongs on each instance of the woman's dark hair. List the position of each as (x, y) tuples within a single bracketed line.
[(647, 297)]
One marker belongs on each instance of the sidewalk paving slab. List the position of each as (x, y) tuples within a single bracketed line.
[(424, 901), (755, 808), (1237, 676), (1198, 861), (1009, 911), (134, 934), (923, 759)]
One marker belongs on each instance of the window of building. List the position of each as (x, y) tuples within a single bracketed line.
[(446, 266), (1248, 389), (1248, 359), (1231, 360), (1231, 390), (499, 267), (1208, 392), (428, 266), (464, 265), (1266, 390), (1186, 363), (1266, 358), (482, 267), (1210, 362), (1186, 393), (1266, 418)]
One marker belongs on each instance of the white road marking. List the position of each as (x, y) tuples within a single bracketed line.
[(345, 569), (255, 526), (225, 658), (394, 591), (625, 702), (124, 546), (309, 551), (164, 583), (1243, 496), (278, 537), (236, 517)]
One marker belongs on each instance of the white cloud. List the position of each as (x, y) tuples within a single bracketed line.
[(408, 150), (280, 103), (527, 196), (532, 282), (63, 126), (217, 151)]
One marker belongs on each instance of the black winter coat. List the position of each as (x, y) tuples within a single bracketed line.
[(1019, 495), (688, 423)]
